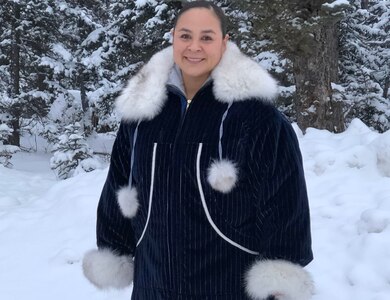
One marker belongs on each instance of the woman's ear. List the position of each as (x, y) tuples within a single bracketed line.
[(172, 32), (224, 41)]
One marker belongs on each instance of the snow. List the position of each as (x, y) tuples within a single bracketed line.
[(4, 149), (4, 127), (141, 3), (46, 225), (337, 87), (94, 36), (57, 108), (61, 51), (57, 66), (159, 10), (336, 3), (94, 60), (270, 60), (286, 91)]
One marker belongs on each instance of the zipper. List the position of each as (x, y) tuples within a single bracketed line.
[(183, 116), (178, 132), (188, 103), (187, 108)]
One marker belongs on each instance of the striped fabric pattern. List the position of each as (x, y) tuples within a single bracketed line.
[(181, 255)]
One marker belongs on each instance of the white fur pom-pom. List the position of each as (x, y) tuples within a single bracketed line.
[(222, 175), (128, 201), (283, 279), (105, 270)]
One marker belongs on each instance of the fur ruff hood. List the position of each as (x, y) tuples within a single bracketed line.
[(236, 78)]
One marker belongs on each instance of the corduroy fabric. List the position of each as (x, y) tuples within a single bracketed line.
[(181, 256)]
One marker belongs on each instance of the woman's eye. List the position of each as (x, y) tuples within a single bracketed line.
[(207, 38), (185, 36)]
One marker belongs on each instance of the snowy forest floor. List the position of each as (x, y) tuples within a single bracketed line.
[(46, 224)]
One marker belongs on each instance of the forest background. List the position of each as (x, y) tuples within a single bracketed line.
[(63, 63)]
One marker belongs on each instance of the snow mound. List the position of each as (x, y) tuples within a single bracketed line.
[(381, 145)]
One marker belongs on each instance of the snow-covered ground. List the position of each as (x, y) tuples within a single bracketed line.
[(46, 225)]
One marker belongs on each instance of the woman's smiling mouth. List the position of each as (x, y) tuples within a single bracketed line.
[(194, 60)]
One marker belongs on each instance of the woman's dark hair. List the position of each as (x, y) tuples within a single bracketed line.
[(205, 4)]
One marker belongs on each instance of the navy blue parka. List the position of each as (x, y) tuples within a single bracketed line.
[(207, 201)]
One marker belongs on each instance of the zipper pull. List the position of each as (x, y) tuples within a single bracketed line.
[(188, 102)]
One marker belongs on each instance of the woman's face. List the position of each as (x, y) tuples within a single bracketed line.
[(198, 44)]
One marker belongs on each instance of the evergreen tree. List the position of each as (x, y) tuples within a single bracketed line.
[(6, 151), (365, 62), (244, 30), (305, 32), (28, 25), (72, 153), (135, 31), (65, 61), (73, 70)]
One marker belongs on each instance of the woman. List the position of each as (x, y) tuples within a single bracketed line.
[(205, 196)]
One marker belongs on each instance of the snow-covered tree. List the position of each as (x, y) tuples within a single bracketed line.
[(71, 63), (243, 28), (6, 151), (5, 132), (72, 153), (365, 62), (27, 28), (305, 33), (135, 31), (65, 61)]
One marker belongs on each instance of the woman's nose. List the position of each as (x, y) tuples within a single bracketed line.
[(194, 46)]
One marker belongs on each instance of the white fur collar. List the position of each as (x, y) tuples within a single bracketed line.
[(236, 78)]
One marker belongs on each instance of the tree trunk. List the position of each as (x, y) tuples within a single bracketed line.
[(14, 139), (314, 72), (386, 87), (15, 53), (40, 81), (364, 4), (83, 93)]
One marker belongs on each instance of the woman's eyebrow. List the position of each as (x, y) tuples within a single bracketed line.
[(206, 31), (185, 30)]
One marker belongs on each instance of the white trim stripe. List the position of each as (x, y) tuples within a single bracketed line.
[(150, 193), (206, 210)]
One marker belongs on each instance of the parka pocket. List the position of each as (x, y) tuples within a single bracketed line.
[(151, 190), (217, 219)]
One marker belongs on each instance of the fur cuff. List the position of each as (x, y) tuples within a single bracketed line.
[(128, 201), (279, 278), (222, 175), (105, 270)]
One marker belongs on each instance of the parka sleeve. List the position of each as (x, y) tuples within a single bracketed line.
[(282, 219), (113, 230), (111, 265)]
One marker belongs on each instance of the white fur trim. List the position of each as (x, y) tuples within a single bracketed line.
[(285, 280), (128, 201), (104, 269), (222, 175), (236, 78), (145, 93)]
